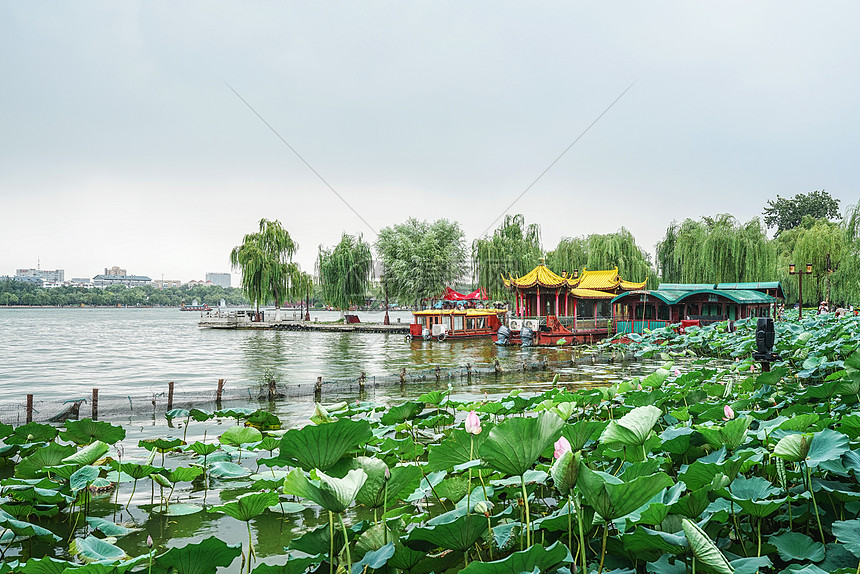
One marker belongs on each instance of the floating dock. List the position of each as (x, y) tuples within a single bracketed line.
[(236, 321)]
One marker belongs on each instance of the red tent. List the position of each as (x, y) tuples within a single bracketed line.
[(451, 295), (480, 293)]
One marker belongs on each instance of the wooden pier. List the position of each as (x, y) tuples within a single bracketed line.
[(233, 322)]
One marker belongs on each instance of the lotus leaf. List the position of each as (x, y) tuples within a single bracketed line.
[(85, 431), (565, 471), (247, 506), (459, 534), (223, 469), (320, 447), (514, 445), (332, 494), (613, 498), (92, 549), (293, 565), (200, 558), (107, 527), (32, 433), (49, 455), (633, 428), (704, 548), (457, 448), (83, 477), (401, 412), (239, 436), (797, 546)]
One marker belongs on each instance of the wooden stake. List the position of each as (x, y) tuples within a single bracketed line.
[(29, 408), (170, 396), (218, 392), (318, 390), (95, 404)]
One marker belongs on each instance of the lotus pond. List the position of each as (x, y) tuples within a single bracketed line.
[(718, 467)]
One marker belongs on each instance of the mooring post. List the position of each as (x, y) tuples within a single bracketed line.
[(95, 404), (318, 390), (219, 392), (361, 380), (469, 371), (402, 376), (497, 368), (30, 408), (438, 372), (170, 396)]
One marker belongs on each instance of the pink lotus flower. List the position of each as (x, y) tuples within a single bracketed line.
[(677, 372), (562, 446), (728, 412), (149, 540), (473, 423)]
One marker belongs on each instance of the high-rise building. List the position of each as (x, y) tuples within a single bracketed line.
[(47, 275), (221, 279), (115, 271)]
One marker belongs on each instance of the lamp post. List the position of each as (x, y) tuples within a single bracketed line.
[(307, 303), (800, 274), (385, 321)]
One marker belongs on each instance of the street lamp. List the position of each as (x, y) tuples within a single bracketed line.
[(800, 274), (386, 321)]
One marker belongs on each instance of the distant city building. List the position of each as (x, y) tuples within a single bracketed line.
[(47, 275), (127, 280), (116, 272), (81, 282), (23, 279), (162, 283), (194, 283), (220, 279)]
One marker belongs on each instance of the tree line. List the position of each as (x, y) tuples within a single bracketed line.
[(416, 260), (20, 293)]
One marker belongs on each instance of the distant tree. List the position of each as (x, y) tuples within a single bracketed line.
[(785, 214), (344, 272), (604, 251), (715, 249), (420, 258), (265, 259), (513, 249)]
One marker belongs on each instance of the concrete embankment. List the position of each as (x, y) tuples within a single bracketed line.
[(225, 323)]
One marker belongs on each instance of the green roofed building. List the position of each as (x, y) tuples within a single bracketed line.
[(694, 304)]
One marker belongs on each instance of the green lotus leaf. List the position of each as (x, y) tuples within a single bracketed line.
[(184, 473), (848, 533), (459, 534), (136, 470), (160, 444), (797, 546), (565, 471), (32, 433), (433, 397), (200, 415), (235, 413), (677, 440), (202, 449), (177, 414), (653, 542), (633, 428), (25, 529), (44, 565), (613, 498), (320, 447), (704, 548), (793, 447), (51, 454), (402, 412), (107, 527), (238, 436), (701, 474), (92, 549), (826, 445), (293, 565), (83, 477), (89, 454), (514, 445), (374, 559), (264, 420), (179, 509), (536, 558), (224, 469), (332, 494), (581, 432), (731, 435), (664, 566), (247, 506), (203, 557), (269, 443), (85, 431), (455, 449)]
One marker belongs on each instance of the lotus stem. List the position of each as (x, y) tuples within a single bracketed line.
[(528, 519), (250, 547), (346, 544), (603, 547), (331, 542), (133, 487), (569, 525), (581, 534), (758, 532), (814, 504), (490, 539), (469, 487)]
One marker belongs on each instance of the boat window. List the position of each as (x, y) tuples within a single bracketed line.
[(458, 323)]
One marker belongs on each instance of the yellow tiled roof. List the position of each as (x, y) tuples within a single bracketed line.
[(540, 275), (466, 312), (631, 286), (601, 280), (591, 294)]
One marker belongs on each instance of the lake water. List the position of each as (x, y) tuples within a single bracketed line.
[(61, 354)]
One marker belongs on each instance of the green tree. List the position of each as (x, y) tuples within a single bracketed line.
[(513, 249), (785, 214), (265, 259), (344, 272), (420, 258), (715, 249), (605, 251)]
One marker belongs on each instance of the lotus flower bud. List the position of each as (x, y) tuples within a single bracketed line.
[(387, 472), (728, 412), (562, 445), (473, 423), (149, 540), (677, 372), (483, 507)]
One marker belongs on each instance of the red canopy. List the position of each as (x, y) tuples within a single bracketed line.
[(451, 295), (479, 293)]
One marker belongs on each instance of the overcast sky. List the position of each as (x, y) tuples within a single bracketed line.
[(122, 145)]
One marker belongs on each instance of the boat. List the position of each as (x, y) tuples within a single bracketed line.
[(195, 307), (443, 324), (456, 315)]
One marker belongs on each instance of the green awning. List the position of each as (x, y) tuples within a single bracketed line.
[(753, 286)]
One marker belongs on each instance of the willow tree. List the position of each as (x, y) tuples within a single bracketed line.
[(265, 259), (420, 258), (715, 249), (344, 272), (605, 251), (846, 281), (513, 249)]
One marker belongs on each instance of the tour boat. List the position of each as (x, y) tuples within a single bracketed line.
[(195, 307), (442, 324)]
